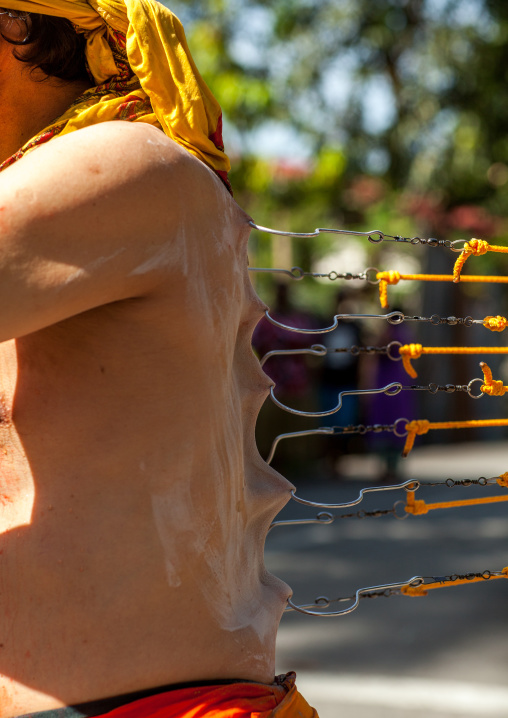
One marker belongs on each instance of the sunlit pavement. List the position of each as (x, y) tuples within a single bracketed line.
[(440, 655)]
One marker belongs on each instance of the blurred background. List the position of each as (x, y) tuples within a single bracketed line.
[(363, 115)]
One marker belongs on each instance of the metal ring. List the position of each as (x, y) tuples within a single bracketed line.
[(388, 351), (435, 320), (319, 350), (393, 389), (404, 516), (297, 273), (366, 273), (379, 239), (397, 432), (457, 241), (333, 275), (470, 389), (395, 318), (413, 486)]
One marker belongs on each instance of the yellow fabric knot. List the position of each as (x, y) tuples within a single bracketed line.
[(495, 324), (503, 480), (474, 246), (477, 247), (414, 428), (408, 352), (416, 508), (492, 387), (386, 278)]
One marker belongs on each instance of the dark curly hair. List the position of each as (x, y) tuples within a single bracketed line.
[(49, 43)]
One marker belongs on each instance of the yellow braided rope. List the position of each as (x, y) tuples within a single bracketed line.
[(476, 247), (424, 588), (422, 426), (394, 277), (420, 507), (408, 352)]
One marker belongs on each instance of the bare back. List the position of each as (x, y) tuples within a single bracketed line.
[(133, 502)]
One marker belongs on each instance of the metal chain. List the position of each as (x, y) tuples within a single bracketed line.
[(392, 318), (389, 390), (297, 273), (375, 236), (386, 591), (325, 517), (320, 350)]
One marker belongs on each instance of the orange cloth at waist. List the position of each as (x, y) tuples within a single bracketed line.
[(235, 700)]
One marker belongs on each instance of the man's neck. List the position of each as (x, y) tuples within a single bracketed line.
[(27, 112)]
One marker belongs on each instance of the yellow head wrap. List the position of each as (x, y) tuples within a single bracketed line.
[(138, 55)]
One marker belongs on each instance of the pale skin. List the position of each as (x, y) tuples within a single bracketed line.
[(134, 504)]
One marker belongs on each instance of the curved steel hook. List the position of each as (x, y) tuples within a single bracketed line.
[(390, 390), (409, 485), (327, 430), (317, 350), (325, 602), (393, 318), (318, 230)]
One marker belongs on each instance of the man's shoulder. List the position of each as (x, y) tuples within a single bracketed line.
[(115, 152), (114, 169)]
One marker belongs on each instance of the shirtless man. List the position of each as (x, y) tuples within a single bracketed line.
[(133, 502)]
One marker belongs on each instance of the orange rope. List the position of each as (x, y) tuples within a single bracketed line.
[(419, 507), (425, 588), (422, 426), (394, 277), (476, 247), (408, 352)]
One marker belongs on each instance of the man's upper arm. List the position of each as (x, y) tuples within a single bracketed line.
[(80, 214)]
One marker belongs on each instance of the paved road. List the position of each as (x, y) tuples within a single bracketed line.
[(444, 655)]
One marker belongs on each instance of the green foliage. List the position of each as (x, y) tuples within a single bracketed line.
[(397, 107)]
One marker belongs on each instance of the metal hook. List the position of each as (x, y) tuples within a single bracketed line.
[(338, 430), (393, 318), (318, 230), (390, 390), (317, 350), (325, 602), (320, 350), (408, 485), (327, 430)]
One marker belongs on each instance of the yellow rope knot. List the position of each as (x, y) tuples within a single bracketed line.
[(417, 508), (492, 387), (495, 324), (386, 278), (408, 352), (414, 429), (503, 480), (474, 246)]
